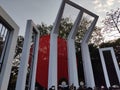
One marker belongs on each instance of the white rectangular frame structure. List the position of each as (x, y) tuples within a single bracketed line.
[(73, 79), (10, 48), (21, 80), (88, 71), (104, 66)]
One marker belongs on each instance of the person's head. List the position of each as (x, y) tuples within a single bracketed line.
[(89, 88), (53, 87)]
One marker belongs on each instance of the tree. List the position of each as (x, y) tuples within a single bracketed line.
[(16, 62), (44, 29), (112, 20), (18, 50), (96, 37), (65, 27)]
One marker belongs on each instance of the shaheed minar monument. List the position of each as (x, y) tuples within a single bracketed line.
[(62, 54), (52, 60)]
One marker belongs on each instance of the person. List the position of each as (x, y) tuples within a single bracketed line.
[(72, 87), (59, 88), (89, 88), (52, 88)]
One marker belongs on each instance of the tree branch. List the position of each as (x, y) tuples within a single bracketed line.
[(115, 24)]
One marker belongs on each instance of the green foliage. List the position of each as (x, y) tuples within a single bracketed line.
[(66, 25), (19, 46), (97, 37), (16, 62), (44, 29), (82, 28)]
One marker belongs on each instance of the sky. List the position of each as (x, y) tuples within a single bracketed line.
[(46, 10)]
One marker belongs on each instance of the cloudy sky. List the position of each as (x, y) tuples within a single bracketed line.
[(46, 10), (99, 7)]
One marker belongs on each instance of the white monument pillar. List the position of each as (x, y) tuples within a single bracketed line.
[(52, 75), (21, 80), (104, 66), (72, 62), (35, 59), (104, 69), (115, 64), (88, 71), (22, 73), (7, 55)]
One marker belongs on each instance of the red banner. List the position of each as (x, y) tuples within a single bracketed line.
[(43, 60)]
